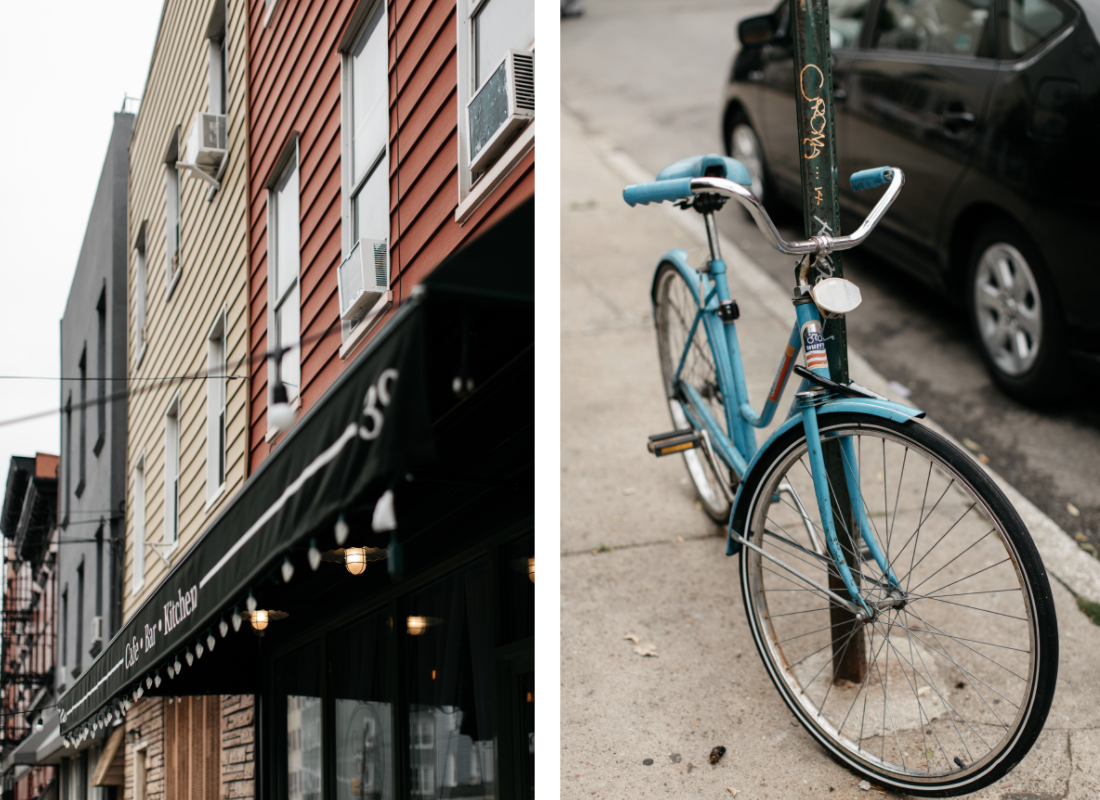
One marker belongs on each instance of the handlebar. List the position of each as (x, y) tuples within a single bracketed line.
[(683, 188)]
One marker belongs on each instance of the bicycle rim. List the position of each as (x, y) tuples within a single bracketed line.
[(948, 692), (676, 308)]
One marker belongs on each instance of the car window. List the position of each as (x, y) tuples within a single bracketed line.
[(845, 22), (1032, 22), (951, 27)]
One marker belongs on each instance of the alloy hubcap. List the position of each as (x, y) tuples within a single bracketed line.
[(1008, 309)]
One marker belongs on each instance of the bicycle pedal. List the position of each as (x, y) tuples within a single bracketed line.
[(663, 444)]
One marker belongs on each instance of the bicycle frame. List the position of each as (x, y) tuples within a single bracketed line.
[(739, 453)]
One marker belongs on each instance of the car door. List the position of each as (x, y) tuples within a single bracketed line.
[(916, 99), (780, 121)]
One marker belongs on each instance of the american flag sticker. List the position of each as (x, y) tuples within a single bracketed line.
[(814, 343), (781, 376)]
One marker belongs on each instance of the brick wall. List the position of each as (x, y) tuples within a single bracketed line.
[(238, 740), (146, 715)]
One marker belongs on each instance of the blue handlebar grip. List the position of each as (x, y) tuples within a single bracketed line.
[(657, 191), (870, 178)]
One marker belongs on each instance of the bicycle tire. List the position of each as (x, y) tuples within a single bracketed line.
[(946, 677), (675, 308)]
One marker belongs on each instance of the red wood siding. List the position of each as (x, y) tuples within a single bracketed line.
[(294, 85)]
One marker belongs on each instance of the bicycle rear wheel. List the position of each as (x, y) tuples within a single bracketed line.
[(676, 308), (956, 683)]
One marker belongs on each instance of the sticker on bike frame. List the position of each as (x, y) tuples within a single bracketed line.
[(814, 343), (781, 376)]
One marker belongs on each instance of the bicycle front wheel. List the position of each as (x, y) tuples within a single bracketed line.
[(947, 690), (678, 337)]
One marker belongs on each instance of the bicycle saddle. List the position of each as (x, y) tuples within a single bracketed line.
[(711, 166)]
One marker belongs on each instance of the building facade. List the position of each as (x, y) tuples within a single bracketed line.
[(356, 611), (187, 317), (28, 623)]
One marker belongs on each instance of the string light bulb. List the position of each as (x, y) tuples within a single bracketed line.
[(355, 559), (236, 619), (189, 656), (288, 569), (156, 679), (38, 723), (210, 640), (199, 649), (250, 603), (149, 682), (223, 629), (341, 530), (314, 555), (171, 673)]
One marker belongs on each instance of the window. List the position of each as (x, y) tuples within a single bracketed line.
[(283, 264), (172, 473), (952, 27), (173, 212), (846, 22), (215, 408), (139, 773), (365, 109), (140, 292), (299, 692), (218, 62), (64, 631), (82, 444), (1032, 22), (101, 370), (423, 780), (68, 455), (487, 30), (137, 578), (79, 619)]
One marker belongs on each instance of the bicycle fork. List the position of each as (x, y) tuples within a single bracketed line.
[(807, 402)]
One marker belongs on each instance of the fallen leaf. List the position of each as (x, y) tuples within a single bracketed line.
[(972, 445), (922, 691), (631, 637), (645, 649), (1088, 548), (731, 791), (1079, 536), (716, 754), (1073, 510)]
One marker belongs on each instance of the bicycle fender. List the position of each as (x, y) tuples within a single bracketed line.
[(873, 407), (678, 257)]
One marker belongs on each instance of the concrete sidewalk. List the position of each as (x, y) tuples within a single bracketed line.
[(659, 571)]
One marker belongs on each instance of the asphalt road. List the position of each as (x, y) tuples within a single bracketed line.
[(649, 75)]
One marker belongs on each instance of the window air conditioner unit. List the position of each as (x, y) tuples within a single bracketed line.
[(503, 104), (97, 629), (206, 143), (362, 279)]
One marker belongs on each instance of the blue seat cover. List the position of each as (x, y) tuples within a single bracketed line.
[(696, 167)]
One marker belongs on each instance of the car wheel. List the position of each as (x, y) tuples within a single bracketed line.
[(1014, 312), (744, 145)]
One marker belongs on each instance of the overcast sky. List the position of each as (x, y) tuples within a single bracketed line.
[(65, 68)]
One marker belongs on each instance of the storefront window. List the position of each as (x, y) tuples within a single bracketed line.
[(299, 692), (447, 642), (364, 723)]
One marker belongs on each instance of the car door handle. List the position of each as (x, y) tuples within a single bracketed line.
[(957, 120)]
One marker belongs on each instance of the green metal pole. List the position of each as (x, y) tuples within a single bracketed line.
[(813, 82)]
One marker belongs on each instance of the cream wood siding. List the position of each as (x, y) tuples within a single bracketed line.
[(213, 261)]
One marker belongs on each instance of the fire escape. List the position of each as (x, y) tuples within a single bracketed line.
[(29, 612)]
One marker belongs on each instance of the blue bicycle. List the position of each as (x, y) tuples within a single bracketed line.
[(896, 598)]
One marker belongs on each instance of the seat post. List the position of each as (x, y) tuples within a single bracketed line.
[(712, 236)]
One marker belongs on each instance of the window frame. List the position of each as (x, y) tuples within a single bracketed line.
[(82, 445), (289, 161), (137, 564), (217, 402), (173, 216), (472, 193), (141, 295), (352, 186), (101, 371), (172, 438), (217, 36)]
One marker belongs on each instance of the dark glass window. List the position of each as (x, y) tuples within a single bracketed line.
[(447, 642), (950, 27), (298, 695), (518, 579), (1032, 22), (362, 711)]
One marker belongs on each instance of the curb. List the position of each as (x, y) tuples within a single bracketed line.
[(1078, 571)]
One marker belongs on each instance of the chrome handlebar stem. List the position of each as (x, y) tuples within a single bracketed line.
[(815, 244)]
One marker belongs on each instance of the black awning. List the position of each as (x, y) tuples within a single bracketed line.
[(381, 418)]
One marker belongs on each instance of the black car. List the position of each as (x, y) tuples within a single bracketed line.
[(992, 109)]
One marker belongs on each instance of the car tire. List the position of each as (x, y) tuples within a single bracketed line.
[(743, 144), (1015, 315)]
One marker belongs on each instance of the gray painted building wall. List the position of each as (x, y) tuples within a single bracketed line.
[(93, 462)]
